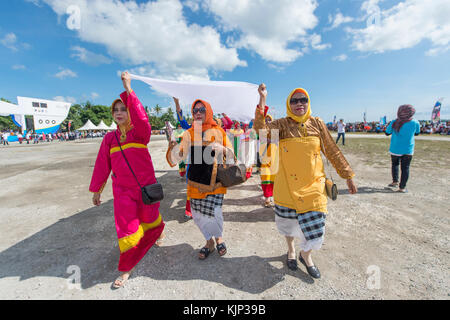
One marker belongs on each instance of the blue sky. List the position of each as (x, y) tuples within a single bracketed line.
[(352, 56)]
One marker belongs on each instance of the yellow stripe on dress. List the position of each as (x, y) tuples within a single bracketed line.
[(128, 145), (128, 242)]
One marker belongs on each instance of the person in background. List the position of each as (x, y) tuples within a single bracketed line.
[(341, 131), (403, 130), (186, 126), (5, 139), (268, 152)]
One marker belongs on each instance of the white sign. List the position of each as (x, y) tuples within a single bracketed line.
[(47, 114)]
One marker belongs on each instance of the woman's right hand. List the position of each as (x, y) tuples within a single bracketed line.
[(96, 199), (262, 90)]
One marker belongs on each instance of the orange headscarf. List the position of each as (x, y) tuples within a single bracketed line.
[(209, 122)]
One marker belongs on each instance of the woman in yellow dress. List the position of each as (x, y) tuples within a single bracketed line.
[(299, 189)]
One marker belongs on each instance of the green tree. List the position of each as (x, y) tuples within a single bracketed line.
[(157, 109)]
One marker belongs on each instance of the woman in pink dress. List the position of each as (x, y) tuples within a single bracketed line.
[(138, 225)]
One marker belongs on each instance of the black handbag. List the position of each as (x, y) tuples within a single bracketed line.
[(231, 174), (151, 193)]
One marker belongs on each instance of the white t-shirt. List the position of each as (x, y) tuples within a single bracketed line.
[(341, 127)]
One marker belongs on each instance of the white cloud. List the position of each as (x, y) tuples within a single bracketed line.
[(10, 41), (18, 67), (316, 42), (89, 57), (341, 57), (94, 95), (338, 19), (65, 73), (194, 5), (154, 33), (404, 26), (65, 99), (267, 27)]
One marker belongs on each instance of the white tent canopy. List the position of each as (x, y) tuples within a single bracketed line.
[(88, 126), (103, 126), (113, 126), (170, 125)]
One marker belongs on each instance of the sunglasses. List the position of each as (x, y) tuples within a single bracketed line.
[(301, 100), (201, 110)]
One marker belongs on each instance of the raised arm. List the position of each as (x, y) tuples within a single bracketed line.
[(184, 124), (139, 117)]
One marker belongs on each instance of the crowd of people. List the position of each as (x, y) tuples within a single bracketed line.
[(442, 128), (36, 138)]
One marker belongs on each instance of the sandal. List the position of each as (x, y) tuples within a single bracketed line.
[(160, 240), (205, 251), (121, 281), (222, 248)]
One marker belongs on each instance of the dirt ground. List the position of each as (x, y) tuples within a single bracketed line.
[(54, 244)]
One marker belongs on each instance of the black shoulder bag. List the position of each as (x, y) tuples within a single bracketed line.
[(151, 193)]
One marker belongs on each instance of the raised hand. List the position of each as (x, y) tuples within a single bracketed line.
[(126, 80)]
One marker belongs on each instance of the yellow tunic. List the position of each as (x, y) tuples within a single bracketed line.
[(300, 179)]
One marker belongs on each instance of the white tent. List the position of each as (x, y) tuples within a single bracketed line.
[(113, 126), (169, 125), (88, 126), (102, 126)]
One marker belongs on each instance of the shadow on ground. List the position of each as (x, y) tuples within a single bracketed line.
[(368, 190), (88, 240)]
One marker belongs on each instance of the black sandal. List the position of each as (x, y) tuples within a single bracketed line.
[(221, 247), (205, 251), (292, 263)]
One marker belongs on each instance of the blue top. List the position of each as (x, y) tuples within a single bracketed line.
[(402, 142), (184, 124)]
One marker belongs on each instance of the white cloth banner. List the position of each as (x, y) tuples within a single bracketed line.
[(237, 100)]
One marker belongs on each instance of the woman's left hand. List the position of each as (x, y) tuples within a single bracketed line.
[(351, 186)]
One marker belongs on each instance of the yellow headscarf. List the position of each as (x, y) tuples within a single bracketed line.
[(301, 120), (306, 116), (124, 128)]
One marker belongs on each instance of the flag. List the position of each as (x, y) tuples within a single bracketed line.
[(436, 114), (334, 120)]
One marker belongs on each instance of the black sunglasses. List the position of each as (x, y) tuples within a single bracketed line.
[(201, 110), (302, 100)]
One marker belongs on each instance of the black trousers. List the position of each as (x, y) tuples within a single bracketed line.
[(404, 162)]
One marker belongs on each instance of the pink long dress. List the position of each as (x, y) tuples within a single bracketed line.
[(138, 225)]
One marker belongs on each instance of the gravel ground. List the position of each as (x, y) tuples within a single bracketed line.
[(54, 244)]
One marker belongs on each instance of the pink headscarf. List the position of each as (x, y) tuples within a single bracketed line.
[(405, 114)]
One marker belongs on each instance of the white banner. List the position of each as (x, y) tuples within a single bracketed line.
[(237, 100)]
